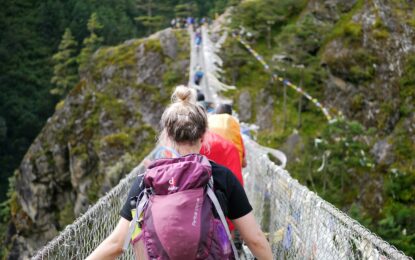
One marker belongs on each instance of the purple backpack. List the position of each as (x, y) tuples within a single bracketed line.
[(174, 218)]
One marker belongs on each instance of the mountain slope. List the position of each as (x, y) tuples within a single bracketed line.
[(105, 126), (358, 59)]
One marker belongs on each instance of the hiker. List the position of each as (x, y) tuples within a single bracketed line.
[(227, 126), (208, 106), (173, 23), (184, 124), (200, 100), (200, 96), (198, 37), (223, 152), (198, 75), (190, 21), (220, 150)]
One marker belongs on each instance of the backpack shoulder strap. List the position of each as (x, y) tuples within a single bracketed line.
[(140, 208), (215, 202)]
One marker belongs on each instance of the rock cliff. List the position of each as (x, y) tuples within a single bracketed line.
[(102, 129)]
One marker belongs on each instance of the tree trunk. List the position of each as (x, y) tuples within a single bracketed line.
[(269, 37)]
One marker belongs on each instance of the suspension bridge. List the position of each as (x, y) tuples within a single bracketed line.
[(299, 224)]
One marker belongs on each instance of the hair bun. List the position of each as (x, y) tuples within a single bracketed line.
[(183, 94)]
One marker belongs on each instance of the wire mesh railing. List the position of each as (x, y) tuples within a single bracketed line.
[(299, 223), (79, 239)]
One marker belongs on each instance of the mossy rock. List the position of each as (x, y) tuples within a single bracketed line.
[(78, 89), (357, 102), (346, 28), (153, 45), (66, 216), (119, 140), (352, 31), (60, 105), (95, 189)]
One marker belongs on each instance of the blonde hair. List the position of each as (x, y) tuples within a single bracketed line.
[(183, 121)]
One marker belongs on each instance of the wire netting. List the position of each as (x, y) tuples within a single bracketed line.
[(301, 225), (79, 239)]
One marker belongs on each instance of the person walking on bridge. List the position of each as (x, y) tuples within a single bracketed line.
[(184, 124), (198, 75), (198, 39), (227, 126)]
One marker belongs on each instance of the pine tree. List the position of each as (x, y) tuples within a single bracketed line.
[(150, 20), (65, 71), (234, 58), (91, 44), (3, 130), (186, 10)]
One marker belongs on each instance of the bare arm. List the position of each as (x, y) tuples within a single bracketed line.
[(111, 247), (253, 236)]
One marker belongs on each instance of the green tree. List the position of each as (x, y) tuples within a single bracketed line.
[(261, 16), (185, 10), (3, 129), (397, 224), (91, 44), (234, 57), (150, 20), (65, 69)]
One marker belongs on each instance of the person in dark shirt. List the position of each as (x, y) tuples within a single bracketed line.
[(224, 181), (184, 124)]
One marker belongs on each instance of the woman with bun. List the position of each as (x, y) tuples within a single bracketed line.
[(184, 124)]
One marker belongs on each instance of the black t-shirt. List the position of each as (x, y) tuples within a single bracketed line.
[(224, 181)]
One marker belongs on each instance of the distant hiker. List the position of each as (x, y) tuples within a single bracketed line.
[(190, 21), (179, 23), (198, 38), (208, 106), (224, 124), (183, 199), (173, 23), (200, 96), (198, 75)]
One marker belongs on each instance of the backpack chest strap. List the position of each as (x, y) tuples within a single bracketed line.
[(140, 208)]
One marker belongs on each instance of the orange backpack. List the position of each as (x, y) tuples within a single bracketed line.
[(228, 127)]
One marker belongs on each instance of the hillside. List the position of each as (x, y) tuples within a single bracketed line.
[(358, 60), (102, 129)]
